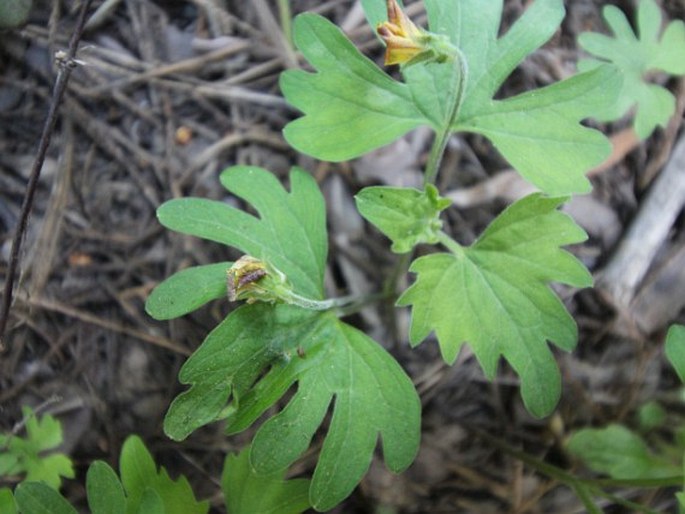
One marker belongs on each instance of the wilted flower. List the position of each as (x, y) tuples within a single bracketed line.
[(252, 280), (404, 41)]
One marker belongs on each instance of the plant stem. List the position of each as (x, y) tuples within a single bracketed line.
[(67, 63), (321, 305), (451, 244), (443, 135)]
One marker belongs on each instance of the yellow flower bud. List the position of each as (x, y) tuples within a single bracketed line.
[(404, 40)]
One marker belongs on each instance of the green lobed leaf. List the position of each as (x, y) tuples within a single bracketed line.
[(289, 233), (351, 107), (43, 433), (49, 469), (144, 484), (675, 349), (105, 492), (406, 215), (187, 290), (27, 455), (619, 453), (495, 295), (40, 498), (637, 56), (540, 135), (246, 492), (231, 358), (328, 359)]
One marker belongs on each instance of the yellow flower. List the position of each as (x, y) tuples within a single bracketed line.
[(404, 40)]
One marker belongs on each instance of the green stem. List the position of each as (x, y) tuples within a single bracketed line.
[(450, 244), (346, 304), (442, 136), (319, 305)]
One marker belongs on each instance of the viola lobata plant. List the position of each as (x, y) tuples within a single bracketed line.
[(494, 295)]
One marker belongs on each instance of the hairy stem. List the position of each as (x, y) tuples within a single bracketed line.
[(451, 244), (442, 136), (323, 305)]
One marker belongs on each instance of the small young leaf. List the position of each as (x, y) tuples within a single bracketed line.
[(636, 57), (290, 232), (351, 107), (144, 484), (28, 455), (675, 349), (619, 453), (247, 492), (495, 296), (45, 433), (105, 492), (328, 359), (137, 469), (407, 216), (187, 290), (7, 503), (40, 498), (49, 469)]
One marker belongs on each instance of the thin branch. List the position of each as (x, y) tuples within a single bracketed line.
[(66, 62)]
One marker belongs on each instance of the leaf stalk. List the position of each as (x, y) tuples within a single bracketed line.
[(442, 136)]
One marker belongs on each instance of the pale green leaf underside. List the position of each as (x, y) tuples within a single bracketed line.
[(539, 134), (406, 215), (247, 492), (619, 453), (187, 290), (351, 107), (675, 349), (636, 56), (290, 232), (496, 297), (331, 363)]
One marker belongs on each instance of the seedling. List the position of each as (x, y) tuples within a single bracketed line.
[(142, 488), (29, 458), (493, 295)]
